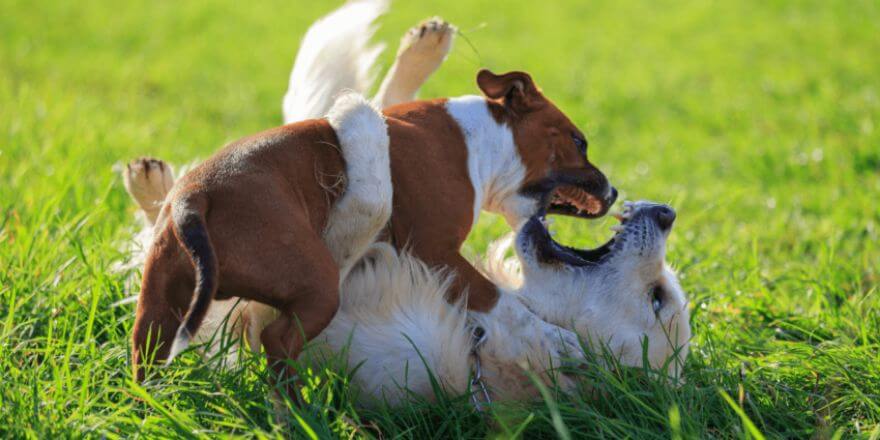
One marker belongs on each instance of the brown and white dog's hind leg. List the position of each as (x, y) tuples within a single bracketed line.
[(148, 181), (422, 50), (354, 222), (305, 293)]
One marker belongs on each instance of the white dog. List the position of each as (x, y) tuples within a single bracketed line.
[(394, 322)]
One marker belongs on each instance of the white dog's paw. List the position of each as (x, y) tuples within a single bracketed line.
[(518, 336), (422, 51), (426, 44), (148, 181), (563, 345)]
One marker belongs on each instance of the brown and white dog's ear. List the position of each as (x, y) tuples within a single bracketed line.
[(514, 89)]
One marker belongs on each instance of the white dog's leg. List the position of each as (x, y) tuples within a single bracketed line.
[(422, 50), (364, 208), (148, 181)]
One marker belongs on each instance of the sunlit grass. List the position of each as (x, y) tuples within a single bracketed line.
[(758, 121)]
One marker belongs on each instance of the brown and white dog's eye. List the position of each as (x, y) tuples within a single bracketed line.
[(580, 143), (657, 299)]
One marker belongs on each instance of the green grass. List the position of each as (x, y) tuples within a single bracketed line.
[(758, 120)]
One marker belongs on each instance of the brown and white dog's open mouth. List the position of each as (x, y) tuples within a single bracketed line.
[(574, 201), (575, 193)]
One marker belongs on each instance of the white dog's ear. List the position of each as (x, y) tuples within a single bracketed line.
[(514, 89)]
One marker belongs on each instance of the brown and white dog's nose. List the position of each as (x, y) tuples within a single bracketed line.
[(611, 197), (663, 215)]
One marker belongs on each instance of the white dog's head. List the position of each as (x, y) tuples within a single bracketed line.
[(620, 295)]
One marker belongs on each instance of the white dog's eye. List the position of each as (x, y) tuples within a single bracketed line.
[(657, 299)]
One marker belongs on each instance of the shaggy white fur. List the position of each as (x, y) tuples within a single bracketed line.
[(395, 325)]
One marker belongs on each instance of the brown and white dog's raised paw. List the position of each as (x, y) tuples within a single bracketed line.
[(148, 181)]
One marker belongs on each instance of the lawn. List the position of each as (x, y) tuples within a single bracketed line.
[(759, 121)]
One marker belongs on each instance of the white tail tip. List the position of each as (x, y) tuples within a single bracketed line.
[(181, 342)]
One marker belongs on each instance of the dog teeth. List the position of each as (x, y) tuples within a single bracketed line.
[(627, 211), (617, 228)]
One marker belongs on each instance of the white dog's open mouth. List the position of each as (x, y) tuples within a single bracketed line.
[(635, 220), (548, 250)]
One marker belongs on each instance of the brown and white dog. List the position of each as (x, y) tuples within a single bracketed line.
[(265, 219)]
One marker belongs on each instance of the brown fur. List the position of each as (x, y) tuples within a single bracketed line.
[(265, 204), (433, 195), (543, 134)]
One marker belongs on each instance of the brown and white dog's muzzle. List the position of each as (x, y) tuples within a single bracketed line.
[(581, 192)]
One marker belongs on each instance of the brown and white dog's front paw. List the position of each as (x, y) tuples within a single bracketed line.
[(422, 49), (148, 181)]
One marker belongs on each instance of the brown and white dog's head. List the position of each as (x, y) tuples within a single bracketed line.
[(552, 148)]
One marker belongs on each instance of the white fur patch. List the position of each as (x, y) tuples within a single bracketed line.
[(181, 342), (362, 132), (494, 165), (365, 207)]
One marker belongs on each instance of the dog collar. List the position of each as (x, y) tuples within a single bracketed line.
[(479, 393)]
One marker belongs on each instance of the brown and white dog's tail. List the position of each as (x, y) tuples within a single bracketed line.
[(190, 229)]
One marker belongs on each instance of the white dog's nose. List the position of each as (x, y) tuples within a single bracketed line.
[(663, 215)]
